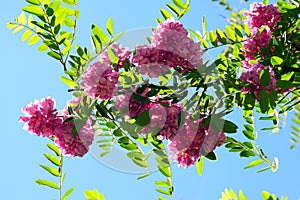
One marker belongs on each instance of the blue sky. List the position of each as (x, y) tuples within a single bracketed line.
[(29, 75)]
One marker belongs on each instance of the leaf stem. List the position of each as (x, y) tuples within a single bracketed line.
[(61, 176)]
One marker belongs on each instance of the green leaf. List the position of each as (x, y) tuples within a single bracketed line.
[(22, 18), (69, 2), (117, 132), (140, 163), (249, 127), (246, 154), (221, 36), (249, 101), (179, 4), (47, 183), (54, 148), (18, 29), (199, 166), (112, 56), (54, 160), (265, 77), (69, 22), (211, 156), (33, 2), (162, 191), (98, 32), (68, 82), (229, 127), (34, 39), (51, 170), (275, 60), (267, 196), (35, 10), (230, 33), (110, 26), (143, 119), (165, 14), (284, 84), (54, 55), (174, 9), (143, 176), (161, 198), (249, 134), (93, 195), (273, 96), (213, 38), (162, 183), (67, 193), (263, 169), (165, 171), (66, 50), (43, 47), (26, 35), (263, 98)]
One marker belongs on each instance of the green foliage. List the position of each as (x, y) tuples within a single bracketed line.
[(295, 134), (46, 23), (231, 195), (93, 195), (177, 9), (200, 166)]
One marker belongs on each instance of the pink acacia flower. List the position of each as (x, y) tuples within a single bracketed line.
[(100, 81), (256, 43), (157, 119), (121, 53), (262, 15), (170, 128), (70, 145), (43, 119), (252, 76), (40, 117), (151, 61), (172, 37), (170, 48), (194, 139)]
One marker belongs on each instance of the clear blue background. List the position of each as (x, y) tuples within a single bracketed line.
[(28, 75)]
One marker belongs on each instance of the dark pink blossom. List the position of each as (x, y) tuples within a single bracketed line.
[(262, 15), (69, 144), (194, 138), (40, 117), (100, 81), (252, 76), (121, 53)]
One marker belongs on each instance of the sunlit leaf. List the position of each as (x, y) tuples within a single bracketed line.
[(143, 176), (54, 160), (47, 183), (51, 170), (110, 26), (67, 193), (33, 40), (199, 166), (165, 14), (275, 60), (35, 10), (26, 35)]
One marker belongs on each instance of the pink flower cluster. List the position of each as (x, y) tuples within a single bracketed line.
[(262, 15), (42, 119), (188, 140), (122, 53), (170, 48), (193, 139), (252, 76), (100, 81), (258, 16)]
